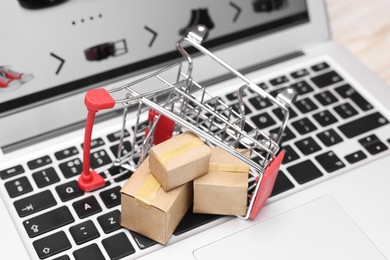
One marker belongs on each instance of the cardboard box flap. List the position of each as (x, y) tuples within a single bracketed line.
[(161, 199)]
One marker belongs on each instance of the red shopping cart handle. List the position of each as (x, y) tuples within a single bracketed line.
[(266, 185), (95, 100)]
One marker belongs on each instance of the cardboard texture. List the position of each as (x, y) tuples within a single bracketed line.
[(179, 160), (224, 189), (158, 220)]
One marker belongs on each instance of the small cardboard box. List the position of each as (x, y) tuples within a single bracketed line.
[(224, 189), (179, 160), (148, 209)]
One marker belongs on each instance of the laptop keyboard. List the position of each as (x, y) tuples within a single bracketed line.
[(63, 222)]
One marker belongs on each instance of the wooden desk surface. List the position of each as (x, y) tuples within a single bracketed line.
[(363, 27)]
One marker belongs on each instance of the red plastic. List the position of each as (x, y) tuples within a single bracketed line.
[(95, 100), (266, 185), (164, 128)]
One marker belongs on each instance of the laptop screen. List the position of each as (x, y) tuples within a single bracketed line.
[(50, 50)]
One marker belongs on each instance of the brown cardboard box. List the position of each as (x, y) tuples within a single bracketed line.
[(179, 160), (224, 189), (148, 209)]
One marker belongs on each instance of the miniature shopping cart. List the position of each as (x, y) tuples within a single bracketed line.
[(184, 105)]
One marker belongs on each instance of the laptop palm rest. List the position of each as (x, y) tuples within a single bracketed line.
[(319, 229)]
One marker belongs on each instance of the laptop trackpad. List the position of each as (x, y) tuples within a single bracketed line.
[(317, 230)]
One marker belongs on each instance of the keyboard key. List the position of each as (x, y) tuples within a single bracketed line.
[(279, 113), (326, 79), (34, 203), (142, 241), (68, 191), (51, 245), (329, 137), (71, 168), (326, 98), (304, 126), (287, 134), (263, 120), (126, 149), (373, 145), (233, 96), (89, 252), (347, 91), (110, 221), (86, 207), (64, 257), (192, 220), (305, 105), (95, 143), (325, 118), (117, 135), (236, 108), (118, 246), (320, 66), (10, 172), (48, 221), (84, 232), (308, 146), (299, 73), (302, 87), (111, 197), (279, 80), (355, 157), (39, 162), (282, 184), (45, 177), (259, 103), (290, 154), (304, 172), (329, 161), (66, 153), (122, 173), (345, 110), (99, 158), (18, 187), (363, 125)]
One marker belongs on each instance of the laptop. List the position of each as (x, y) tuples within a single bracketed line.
[(331, 197)]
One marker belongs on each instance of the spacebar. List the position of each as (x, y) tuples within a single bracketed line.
[(363, 125)]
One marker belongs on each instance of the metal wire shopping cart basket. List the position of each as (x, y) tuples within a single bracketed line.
[(191, 107)]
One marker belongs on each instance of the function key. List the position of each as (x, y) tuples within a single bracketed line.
[(116, 136), (233, 96), (68, 152), (86, 207), (39, 162), (45, 177), (48, 221), (51, 245), (111, 197), (68, 191), (347, 91), (330, 162), (302, 87), (304, 171), (304, 126), (305, 105), (18, 187), (261, 85), (282, 184), (320, 66), (84, 232), (326, 98), (89, 252), (308, 146), (373, 145), (71, 168), (363, 125), (110, 222), (326, 79), (99, 158), (118, 246), (355, 157), (345, 110), (34, 203), (329, 137), (279, 80), (299, 73), (10, 172), (325, 118)]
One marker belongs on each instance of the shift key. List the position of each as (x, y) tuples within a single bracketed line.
[(363, 125), (48, 221)]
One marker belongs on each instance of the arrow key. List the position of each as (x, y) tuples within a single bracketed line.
[(51, 245)]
